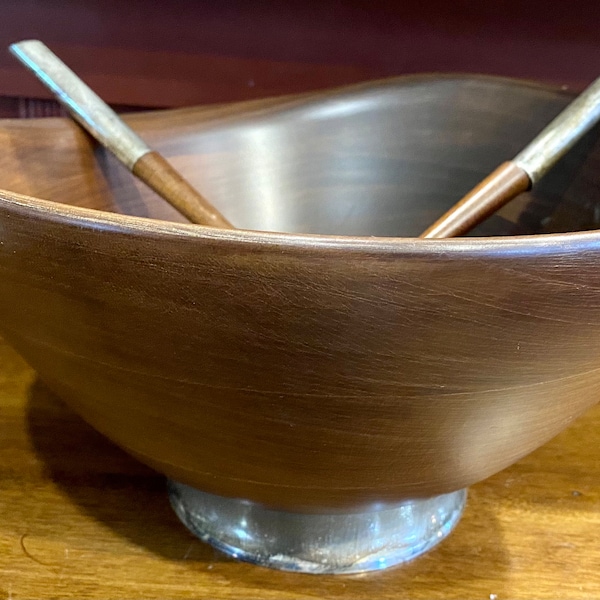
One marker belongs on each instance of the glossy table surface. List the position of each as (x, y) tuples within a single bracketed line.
[(81, 519)]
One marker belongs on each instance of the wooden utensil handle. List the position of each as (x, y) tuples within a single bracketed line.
[(502, 185), (98, 119), (158, 174), (525, 170)]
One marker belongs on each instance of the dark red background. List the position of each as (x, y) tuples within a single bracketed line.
[(153, 53)]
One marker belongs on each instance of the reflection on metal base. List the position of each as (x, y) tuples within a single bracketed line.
[(317, 543)]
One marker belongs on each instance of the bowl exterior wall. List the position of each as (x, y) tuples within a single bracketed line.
[(305, 376), (312, 373)]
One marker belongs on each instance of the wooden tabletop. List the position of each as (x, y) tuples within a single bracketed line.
[(81, 519)]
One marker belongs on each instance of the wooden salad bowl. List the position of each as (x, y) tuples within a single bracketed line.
[(340, 362)]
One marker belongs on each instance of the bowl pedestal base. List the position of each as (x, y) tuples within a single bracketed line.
[(339, 543)]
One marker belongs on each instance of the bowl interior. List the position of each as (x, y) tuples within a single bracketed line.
[(382, 160)]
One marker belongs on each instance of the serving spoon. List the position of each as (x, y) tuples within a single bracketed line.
[(98, 119), (502, 185), (524, 170)]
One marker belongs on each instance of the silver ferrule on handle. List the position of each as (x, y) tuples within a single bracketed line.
[(88, 109), (561, 134)]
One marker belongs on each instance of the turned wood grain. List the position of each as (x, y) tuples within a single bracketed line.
[(81, 519), (311, 372)]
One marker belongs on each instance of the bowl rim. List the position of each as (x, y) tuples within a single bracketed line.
[(475, 247), (530, 244)]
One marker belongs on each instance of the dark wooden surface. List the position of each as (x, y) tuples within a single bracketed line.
[(81, 519), (185, 52)]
